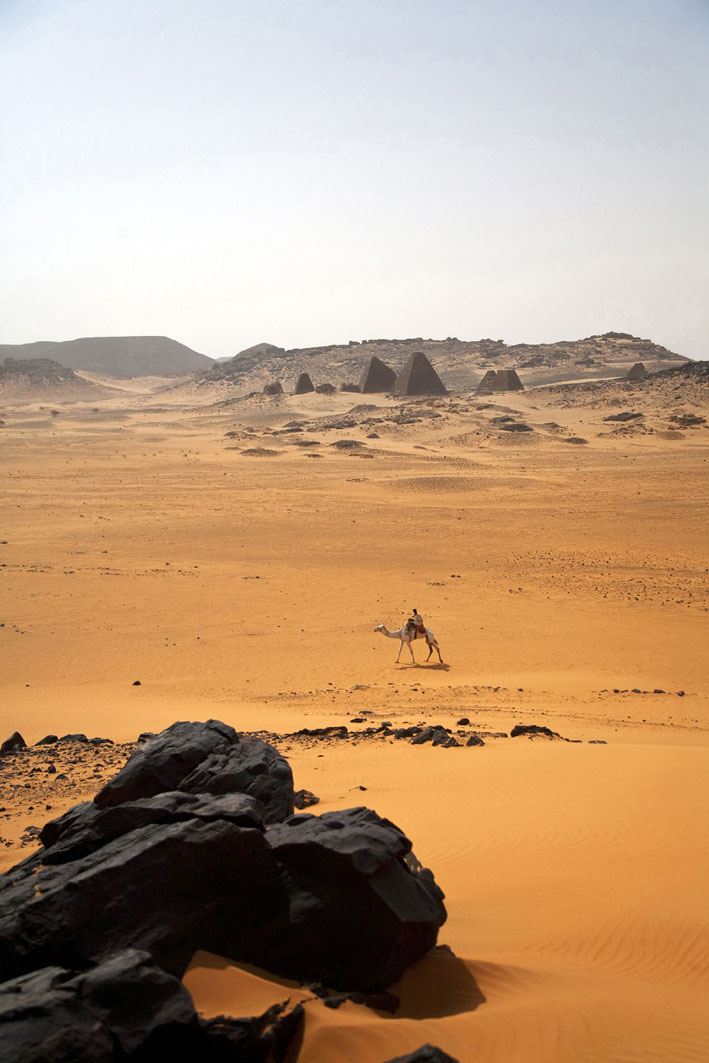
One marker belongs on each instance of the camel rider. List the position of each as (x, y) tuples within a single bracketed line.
[(419, 624)]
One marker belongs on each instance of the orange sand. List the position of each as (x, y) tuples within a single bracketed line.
[(139, 547)]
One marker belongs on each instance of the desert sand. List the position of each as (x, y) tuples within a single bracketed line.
[(241, 577)]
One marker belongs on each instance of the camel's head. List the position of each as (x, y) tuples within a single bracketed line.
[(379, 627)]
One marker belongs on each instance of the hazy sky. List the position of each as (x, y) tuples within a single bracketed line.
[(312, 171)]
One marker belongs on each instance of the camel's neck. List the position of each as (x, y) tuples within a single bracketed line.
[(392, 634)]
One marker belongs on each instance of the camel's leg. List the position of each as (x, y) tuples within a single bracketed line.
[(401, 646), (430, 651), (438, 651), (411, 651)]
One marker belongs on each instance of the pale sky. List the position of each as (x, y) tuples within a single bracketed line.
[(313, 171)]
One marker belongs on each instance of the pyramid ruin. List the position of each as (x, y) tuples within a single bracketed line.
[(638, 372), (304, 385), (499, 380), (377, 377), (418, 377), (488, 383), (273, 389)]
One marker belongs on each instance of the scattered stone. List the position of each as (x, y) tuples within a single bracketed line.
[(136, 683), (475, 740), (305, 799), (48, 740), (463, 722), (626, 415), (532, 729), (425, 1054)]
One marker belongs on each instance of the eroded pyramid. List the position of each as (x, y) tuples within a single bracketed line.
[(304, 385), (377, 377), (638, 372), (418, 377)]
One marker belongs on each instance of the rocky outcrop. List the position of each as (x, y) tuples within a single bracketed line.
[(127, 1008), (175, 854), (205, 758)]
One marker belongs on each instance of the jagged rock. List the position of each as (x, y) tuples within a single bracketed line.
[(168, 888), (377, 377), (437, 735), (305, 799), (206, 758), (304, 385), (418, 377), (425, 1054), (85, 827), (13, 743), (48, 740), (74, 738), (475, 740), (361, 907), (127, 1008), (532, 729)]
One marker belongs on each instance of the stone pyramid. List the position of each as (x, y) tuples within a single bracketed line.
[(304, 385), (418, 377), (488, 384), (507, 380), (638, 372), (377, 377)]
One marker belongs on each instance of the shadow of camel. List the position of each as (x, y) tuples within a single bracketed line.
[(439, 666)]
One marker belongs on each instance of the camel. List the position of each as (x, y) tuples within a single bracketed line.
[(406, 635)]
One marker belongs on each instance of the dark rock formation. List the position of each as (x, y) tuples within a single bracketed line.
[(516, 426), (418, 377), (305, 799), (626, 415), (377, 377), (475, 740), (172, 857), (326, 389), (127, 1008), (304, 385), (205, 758), (532, 729), (638, 372), (361, 908), (13, 743)]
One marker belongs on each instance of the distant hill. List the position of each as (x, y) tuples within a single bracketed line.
[(27, 379), (119, 356), (461, 364)]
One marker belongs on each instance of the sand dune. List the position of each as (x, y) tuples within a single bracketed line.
[(566, 586)]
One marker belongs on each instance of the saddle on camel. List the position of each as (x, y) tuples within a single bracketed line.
[(416, 622)]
